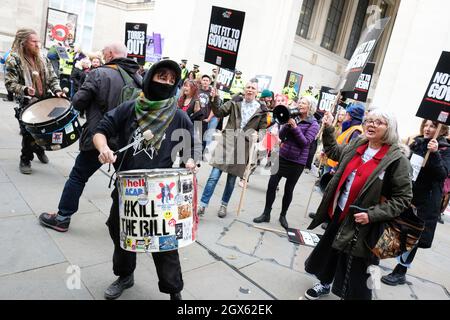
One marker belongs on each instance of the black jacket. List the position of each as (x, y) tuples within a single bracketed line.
[(121, 123), (100, 93), (427, 190)]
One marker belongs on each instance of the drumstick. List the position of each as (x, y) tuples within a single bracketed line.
[(147, 136)]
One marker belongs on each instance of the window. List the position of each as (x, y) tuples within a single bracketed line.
[(85, 9), (333, 23), (357, 28), (305, 18)]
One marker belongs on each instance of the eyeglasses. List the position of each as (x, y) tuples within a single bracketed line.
[(376, 123)]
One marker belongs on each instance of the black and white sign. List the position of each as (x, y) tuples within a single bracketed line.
[(327, 99), (436, 102), (135, 37), (224, 80), (362, 54), (363, 85), (224, 36)]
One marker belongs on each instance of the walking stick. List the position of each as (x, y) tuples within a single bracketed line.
[(247, 170), (436, 135)]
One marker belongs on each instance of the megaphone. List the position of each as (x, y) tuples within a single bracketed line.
[(282, 114)]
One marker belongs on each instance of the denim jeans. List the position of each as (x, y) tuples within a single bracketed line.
[(211, 185), (212, 125), (86, 164)]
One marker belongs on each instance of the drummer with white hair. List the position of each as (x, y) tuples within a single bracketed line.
[(154, 111)]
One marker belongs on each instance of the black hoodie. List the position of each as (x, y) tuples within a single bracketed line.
[(100, 93)]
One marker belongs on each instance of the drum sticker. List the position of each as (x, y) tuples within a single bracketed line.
[(179, 199), (188, 198), (168, 243), (172, 223), (134, 187), (184, 211), (187, 230), (168, 215), (57, 137), (143, 199), (186, 186), (69, 128), (166, 195), (179, 231)]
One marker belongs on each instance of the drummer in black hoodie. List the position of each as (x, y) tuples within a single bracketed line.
[(99, 94), (156, 111)]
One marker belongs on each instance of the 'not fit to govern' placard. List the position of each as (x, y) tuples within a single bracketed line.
[(224, 36), (435, 105)]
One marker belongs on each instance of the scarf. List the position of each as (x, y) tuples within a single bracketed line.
[(155, 116), (363, 172)]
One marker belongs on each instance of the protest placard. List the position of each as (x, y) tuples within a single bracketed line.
[(224, 36), (135, 40)]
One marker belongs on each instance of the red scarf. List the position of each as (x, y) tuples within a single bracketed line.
[(363, 172)]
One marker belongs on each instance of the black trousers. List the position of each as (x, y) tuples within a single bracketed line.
[(330, 266), (167, 263), (292, 173), (29, 145)]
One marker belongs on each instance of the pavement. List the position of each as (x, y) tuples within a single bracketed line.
[(231, 260)]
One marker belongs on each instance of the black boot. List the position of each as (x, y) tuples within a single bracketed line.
[(117, 287), (265, 217), (283, 221), (176, 296), (398, 276)]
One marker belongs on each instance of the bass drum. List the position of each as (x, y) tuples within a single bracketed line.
[(52, 122)]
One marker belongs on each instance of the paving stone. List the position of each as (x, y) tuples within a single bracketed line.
[(87, 242), (3, 176), (194, 256), (277, 248), (47, 283), (11, 202), (25, 245), (282, 282), (233, 238), (47, 198), (218, 282), (98, 277), (426, 290), (41, 173)]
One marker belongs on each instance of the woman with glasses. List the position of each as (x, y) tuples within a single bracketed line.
[(427, 192), (373, 175)]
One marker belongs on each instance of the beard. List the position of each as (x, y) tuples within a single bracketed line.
[(33, 51)]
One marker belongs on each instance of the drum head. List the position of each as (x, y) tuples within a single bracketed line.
[(45, 110)]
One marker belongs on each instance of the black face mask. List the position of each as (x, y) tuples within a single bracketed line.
[(159, 91)]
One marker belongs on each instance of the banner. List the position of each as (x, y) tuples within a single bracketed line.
[(61, 28), (224, 80), (326, 99), (135, 38), (362, 87), (224, 36), (362, 55), (435, 105), (263, 82), (154, 48)]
